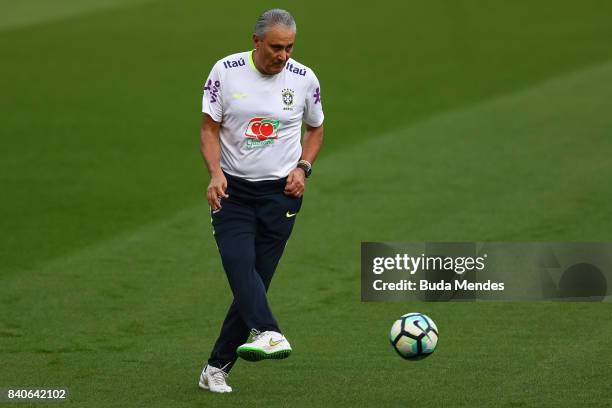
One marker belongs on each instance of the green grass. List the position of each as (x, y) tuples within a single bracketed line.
[(17, 14), (466, 120)]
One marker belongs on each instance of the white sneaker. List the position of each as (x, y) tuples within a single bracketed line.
[(268, 344), (213, 379)]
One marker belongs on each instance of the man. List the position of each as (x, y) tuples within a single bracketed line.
[(254, 105)]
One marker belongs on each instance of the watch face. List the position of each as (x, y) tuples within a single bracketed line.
[(307, 169)]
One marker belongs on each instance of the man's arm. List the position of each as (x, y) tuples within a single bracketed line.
[(312, 141), (211, 151)]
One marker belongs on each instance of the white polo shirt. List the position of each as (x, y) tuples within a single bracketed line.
[(261, 115)]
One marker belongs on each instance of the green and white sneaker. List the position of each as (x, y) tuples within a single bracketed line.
[(266, 345)]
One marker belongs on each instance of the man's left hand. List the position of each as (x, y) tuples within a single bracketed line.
[(296, 183)]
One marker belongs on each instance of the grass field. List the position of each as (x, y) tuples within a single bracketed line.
[(449, 121)]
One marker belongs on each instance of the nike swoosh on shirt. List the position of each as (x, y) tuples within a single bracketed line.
[(240, 95), (289, 214)]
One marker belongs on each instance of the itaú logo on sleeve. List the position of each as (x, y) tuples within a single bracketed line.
[(262, 128)]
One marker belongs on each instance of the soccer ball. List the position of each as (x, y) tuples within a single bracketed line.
[(414, 335)]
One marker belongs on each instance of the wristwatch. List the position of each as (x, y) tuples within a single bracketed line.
[(306, 166)]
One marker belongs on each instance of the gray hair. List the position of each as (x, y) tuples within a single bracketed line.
[(272, 18)]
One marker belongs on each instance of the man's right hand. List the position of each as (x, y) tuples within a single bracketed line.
[(216, 191)]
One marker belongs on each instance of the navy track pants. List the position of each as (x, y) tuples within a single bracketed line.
[(251, 230)]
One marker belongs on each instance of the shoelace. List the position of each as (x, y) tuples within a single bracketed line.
[(219, 376), (255, 334)]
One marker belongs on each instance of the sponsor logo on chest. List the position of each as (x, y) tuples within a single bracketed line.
[(234, 63), (261, 132), (295, 70)]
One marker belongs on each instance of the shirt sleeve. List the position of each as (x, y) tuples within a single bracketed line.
[(212, 102), (313, 112)]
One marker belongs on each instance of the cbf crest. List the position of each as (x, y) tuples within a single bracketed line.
[(288, 96)]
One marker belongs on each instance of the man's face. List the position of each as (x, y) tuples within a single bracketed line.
[(274, 49)]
